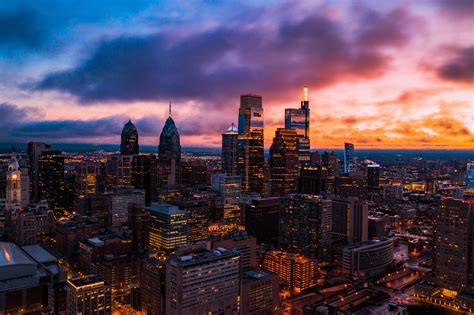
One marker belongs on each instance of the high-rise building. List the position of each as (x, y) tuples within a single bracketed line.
[(298, 119), (284, 162), (18, 184), (198, 211), (169, 154), (250, 158), (34, 154), (138, 223), (203, 282), (152, 287), (348, 157), (229, 150), (453, 247), (373, 175), (99, 206), (121, 200), (51, 179), (260, 292), (294, 271), (229, 188), (89, 295), (90, 179), (262, 219), (119, 171), (350, 220), (313, 179), (142, 175), (129, 140), (305, 225), (470, 177), (168, 226)]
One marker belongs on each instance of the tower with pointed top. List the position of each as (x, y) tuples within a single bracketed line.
[(298, 119), (18, 184), (129, 144), (169, 154), (229, 150)]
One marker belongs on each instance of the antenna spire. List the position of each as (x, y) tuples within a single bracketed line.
[(170, 109), (305, 93)]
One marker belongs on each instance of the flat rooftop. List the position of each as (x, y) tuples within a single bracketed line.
[(164, 208)]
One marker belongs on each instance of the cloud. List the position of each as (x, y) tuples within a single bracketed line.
[(20, 28), (458, 8), (222, 62), (459, 67)]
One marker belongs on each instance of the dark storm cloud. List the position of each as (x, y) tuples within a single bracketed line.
[(222, 62), (460, 67), (20, 28)]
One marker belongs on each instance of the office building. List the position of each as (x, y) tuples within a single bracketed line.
[(299, 119), (294, 271), (89, 295), (313, 179), (240, 240), (260, 292), (169, 155), (367, 258), (17, 184), (129, 140), (229, 187), (194, 174), (453, 232), (168, 226), (262, 219), (198, 212), (35, 149), (99, 206), (152, 287), (350, 220), (373, 175), (90, 178), (142, 176), (470, 177), (305, 225), (348, 158), (229, 150), (121, 200), (250, 157), (138, 223), (51, 179), (284, 162), (203, 282), (70, 232), (119, 171)]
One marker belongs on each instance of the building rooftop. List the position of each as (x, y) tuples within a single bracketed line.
[(199, 256), (86, 280), (14, 262), (39, 254), (164, 208)]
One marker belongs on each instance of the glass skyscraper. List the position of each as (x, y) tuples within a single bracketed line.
[(348, 157), (250, 158), (298, 119), (284, 162), (470, 177), (129, 140), (229, 150), (169, 155)]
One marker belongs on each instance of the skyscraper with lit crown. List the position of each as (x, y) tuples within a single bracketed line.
[(129, 144), (229, 150), (298, 119), (250, 158), (169, 154)]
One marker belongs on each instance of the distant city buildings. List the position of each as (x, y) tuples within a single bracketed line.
[(348, 158)]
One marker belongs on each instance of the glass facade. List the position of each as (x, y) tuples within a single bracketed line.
[(129, 140), (348, 157)]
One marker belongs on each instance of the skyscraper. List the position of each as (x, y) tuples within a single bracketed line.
[(305, 225), (51, 179), (350, 220), (453, 232), (348, 157), (284, 162), (169, 154), (34, 154), (129, 141), (373, 175), (168, 226), (298, 119), (250, 159), (470, 177), (229, 150)]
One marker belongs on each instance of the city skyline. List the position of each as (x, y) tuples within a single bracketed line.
[(79, 78)]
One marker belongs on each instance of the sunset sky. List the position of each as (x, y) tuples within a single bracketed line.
[(381, 74)]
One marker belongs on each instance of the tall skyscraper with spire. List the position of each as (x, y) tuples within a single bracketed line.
[(169, 154), (129, 144), (298, 119), (250, 158), (229, 150)]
